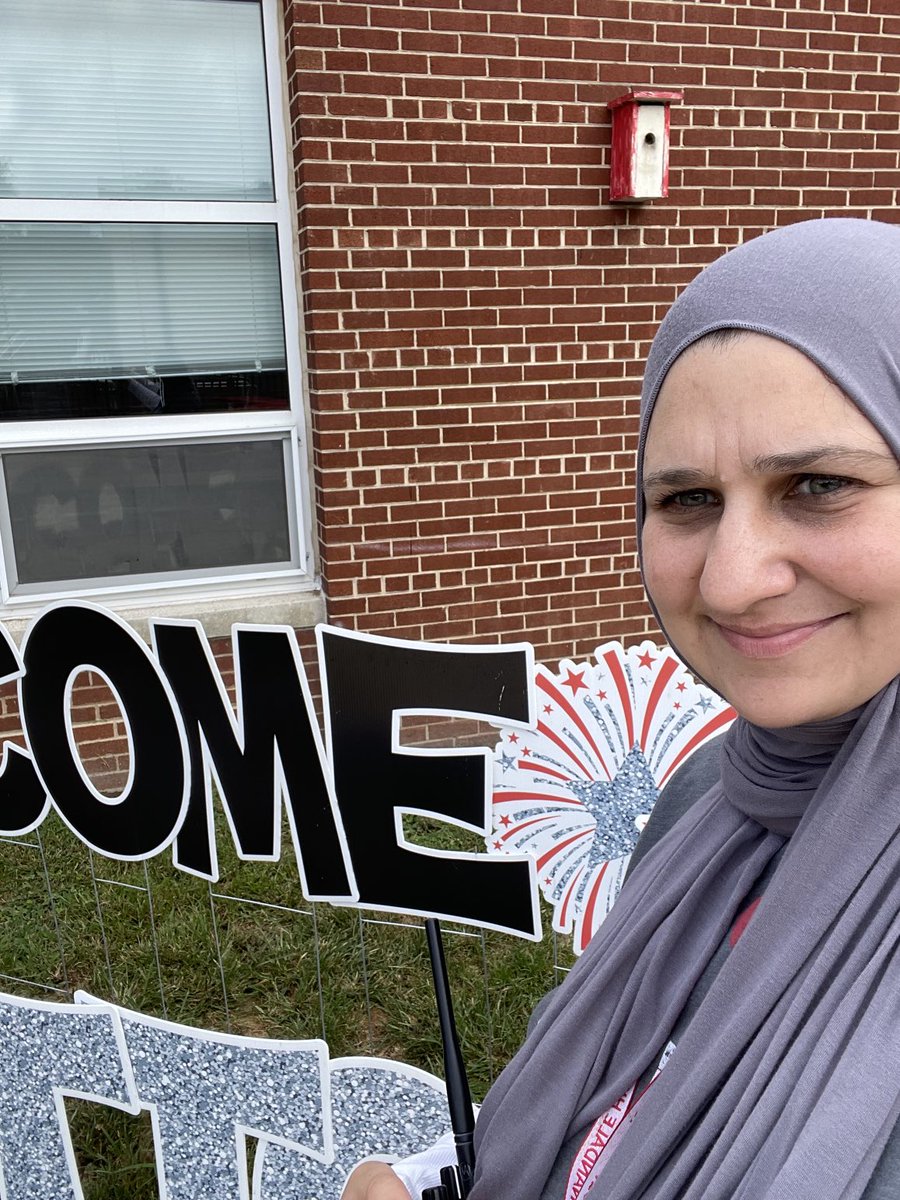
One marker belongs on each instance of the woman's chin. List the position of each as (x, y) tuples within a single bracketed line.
[(784, 706), (777, 699)]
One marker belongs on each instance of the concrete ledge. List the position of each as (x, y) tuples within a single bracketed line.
[(216, 613)]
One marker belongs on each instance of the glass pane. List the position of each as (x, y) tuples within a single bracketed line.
[(141, 304), (121, 99), (126, 511), (136, 397)]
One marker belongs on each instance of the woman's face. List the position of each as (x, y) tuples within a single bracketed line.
[(772, 533)]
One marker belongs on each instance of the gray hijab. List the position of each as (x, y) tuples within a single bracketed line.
[(786, 1083)]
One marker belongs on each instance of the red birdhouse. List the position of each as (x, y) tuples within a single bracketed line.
[(639, 161)]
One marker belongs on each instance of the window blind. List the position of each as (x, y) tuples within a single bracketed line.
[(118, 300), (121, 99)]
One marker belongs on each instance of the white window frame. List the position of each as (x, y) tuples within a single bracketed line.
[(289, 423)]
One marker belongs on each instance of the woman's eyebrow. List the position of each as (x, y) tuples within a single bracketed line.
[(801, 460), (776, 464), (676, 477)]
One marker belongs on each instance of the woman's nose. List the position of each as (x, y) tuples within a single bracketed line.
[(749, 559)]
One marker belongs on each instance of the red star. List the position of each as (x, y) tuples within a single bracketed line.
[(513, 737), (505, 820), (601, 695), (676, 705), (646, 659), (548, 708), (681, 687), (547, 882), (525, 751), (575, 681), (498, 845)]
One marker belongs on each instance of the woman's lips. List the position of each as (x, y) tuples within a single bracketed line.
[(773, 641)]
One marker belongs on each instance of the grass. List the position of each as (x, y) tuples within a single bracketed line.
[(163, 945)]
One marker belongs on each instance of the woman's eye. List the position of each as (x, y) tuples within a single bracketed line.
[(698, 498), (821, 485)]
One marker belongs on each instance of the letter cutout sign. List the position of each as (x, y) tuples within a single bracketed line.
[(206, 1093), (569, 791), (345, 807), (272, 750), (64, 641), (369, 684), (380, 1107), (50, 1051)]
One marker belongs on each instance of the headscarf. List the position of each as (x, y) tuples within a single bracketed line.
[(785, 1085)]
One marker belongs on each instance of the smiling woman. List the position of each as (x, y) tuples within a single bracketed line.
[(770, 536), (754, 952)]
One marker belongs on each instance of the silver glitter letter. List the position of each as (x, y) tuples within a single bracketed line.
[(378, 1107), (206, 1091), (48, 1051)]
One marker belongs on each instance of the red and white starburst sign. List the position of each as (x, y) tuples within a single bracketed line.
[(576, 792)]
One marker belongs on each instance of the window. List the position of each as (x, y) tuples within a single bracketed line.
[(151, 423)]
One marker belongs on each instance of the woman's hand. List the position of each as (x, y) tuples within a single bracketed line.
[(374, 1181)]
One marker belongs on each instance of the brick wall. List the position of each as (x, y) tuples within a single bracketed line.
[(477, 313)]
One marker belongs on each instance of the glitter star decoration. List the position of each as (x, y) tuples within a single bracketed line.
[(579, 793)]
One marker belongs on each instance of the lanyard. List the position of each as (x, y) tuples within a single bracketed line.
[(591, 1157)]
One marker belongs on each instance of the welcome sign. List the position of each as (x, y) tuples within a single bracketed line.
[(580, 756), (344, 801)]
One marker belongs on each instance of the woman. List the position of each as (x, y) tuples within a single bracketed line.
[(769, 511)]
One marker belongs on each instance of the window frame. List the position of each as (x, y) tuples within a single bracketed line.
[(291, 424)]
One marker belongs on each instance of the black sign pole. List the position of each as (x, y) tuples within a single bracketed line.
[(459, 1099)]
